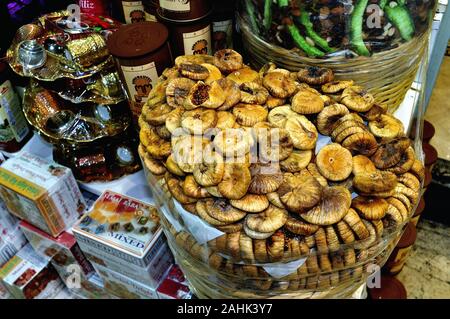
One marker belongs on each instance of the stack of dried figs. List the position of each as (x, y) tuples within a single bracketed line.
[(280, 162)]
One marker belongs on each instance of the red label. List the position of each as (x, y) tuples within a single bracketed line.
[(97, 7)]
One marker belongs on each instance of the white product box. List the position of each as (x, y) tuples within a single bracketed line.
[(124, 235), (28, 275), (42, 192), (124, 287)]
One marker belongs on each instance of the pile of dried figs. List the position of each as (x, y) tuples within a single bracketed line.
[(279, 161)]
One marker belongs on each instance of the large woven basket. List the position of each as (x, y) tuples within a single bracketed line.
[(321, 274), (388, 75)]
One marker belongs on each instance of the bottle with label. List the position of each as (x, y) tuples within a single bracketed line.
[(14, 130), (222, 24)]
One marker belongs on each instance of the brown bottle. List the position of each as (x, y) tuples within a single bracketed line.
[(14, 130)]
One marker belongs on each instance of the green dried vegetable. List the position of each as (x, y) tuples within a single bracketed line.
[(300, 41), (356, 21), (318, 40), (401, 19)]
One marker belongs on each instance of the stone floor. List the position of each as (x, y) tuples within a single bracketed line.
[(427, 271)]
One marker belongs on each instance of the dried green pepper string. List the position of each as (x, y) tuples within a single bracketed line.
[(356, 22), (300, 41), (382, 4), (322, 43), (250, 8), (401, 19), (267, 20), (283, 3)]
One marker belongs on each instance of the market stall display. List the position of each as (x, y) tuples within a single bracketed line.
[(75, 99), (378, 44), (275, 183)]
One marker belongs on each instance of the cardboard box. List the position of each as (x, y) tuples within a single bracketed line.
[(124, 235), (176, 274), (11, 237), (124, 287), (91, 288), (43, 193), (66, 294), (30, 276), (174, 285), (63, 249), (4, 293), (170, 289)]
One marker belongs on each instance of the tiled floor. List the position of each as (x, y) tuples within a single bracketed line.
[(427, 270), (439, 109)]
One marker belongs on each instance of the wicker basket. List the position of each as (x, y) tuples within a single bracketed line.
[(388, 75), (321, 274)]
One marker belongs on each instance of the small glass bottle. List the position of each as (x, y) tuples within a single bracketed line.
[(14, 130)]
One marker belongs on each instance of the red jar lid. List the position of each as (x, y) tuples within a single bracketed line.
[(409, 236), (390, 288), (137, 39), (431, 154), (428, 178), (428, 131)]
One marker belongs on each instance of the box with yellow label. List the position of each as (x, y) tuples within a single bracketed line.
[(42, 192)]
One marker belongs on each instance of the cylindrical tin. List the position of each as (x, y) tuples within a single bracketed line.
[(419, 210), (134, 12), (150, 7), (142, 53), (428, 131), (400, 253), (427, 181), (431, 155), (222, 25), (188, 37), (184, 9), (390, 288)]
